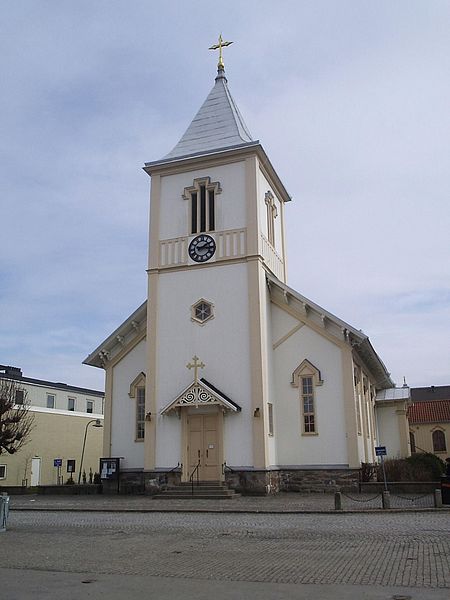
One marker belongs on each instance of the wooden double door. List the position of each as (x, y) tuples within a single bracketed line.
[(204, 445)]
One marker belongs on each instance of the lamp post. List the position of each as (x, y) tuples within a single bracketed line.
[(97, 424)]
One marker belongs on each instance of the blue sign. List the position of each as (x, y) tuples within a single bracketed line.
[(57, 462), (380, 450)]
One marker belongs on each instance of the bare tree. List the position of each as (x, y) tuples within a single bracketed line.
[(16, 421)]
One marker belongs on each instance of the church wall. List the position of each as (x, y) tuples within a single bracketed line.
[(388, 430), (329, 446), (222, 343), (123, 413), (230, 203)]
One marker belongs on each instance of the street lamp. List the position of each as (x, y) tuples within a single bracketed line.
[(97, 424)]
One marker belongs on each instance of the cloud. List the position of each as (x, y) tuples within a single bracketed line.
[(349, 100)]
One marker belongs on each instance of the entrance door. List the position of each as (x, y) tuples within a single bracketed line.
[(35, 471), (203, 446)]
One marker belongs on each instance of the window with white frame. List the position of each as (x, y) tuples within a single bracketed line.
[(307, 377), (3, 471), (270, 411), (271, 216), (137, 393), (20, 396), (309, 424), (202, 311), (202, 204), (89, 406), (140, 413), (71, 404), (50, 400)]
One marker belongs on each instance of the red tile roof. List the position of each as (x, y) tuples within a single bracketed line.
[(437, 411)]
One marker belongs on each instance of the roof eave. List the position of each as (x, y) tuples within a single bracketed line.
[(159, 166), (138, 315), (359, 341)]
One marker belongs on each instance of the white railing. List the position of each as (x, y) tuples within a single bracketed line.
[(229, 244), (272, 258), (173, 252)]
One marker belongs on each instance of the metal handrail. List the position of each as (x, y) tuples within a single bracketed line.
[(225, 467), (191, 478), (165, 478)]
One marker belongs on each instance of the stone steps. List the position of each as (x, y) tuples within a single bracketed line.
[(206, 490)]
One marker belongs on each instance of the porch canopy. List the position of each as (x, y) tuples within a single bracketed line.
[(201, 393)]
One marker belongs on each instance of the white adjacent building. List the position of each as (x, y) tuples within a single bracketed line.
[(225, 367)]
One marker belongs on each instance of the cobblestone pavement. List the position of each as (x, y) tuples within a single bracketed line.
[(285, 502), (376, 549)]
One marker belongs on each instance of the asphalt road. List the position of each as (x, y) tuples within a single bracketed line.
[(160, 555)]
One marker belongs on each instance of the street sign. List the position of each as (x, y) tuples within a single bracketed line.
[(380, 450), (57, 462)]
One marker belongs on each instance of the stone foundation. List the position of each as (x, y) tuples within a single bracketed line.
[(146, 482), (262, 482), (249, 483), (319, 480)]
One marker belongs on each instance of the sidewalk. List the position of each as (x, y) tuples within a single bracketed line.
[(280, 503)]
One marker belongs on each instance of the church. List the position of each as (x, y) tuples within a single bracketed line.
[(225, 372)]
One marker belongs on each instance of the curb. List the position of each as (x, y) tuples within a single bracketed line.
[(231, 511)]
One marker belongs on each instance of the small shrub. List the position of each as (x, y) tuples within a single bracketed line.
[(426, 464), (418, 467), (396, 469)]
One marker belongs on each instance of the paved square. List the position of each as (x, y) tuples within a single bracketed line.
[(410, 550)]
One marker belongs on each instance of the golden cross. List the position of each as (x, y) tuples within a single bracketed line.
[(196, 365), (219, 47)]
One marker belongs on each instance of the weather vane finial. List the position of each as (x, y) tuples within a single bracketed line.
[(219, 47)]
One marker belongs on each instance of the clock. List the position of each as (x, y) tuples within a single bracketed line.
[(202, 248)]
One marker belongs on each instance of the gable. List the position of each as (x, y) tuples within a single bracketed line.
[(330, 327), (201, 393)]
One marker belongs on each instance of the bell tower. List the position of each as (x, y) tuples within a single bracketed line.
[(216, 230)]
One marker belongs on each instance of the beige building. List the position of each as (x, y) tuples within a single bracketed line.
[(65, 417), (429, 420)]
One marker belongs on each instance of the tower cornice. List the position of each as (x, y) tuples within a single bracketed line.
[(206, 160)]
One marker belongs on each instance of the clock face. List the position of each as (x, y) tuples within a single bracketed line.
[(202, 248)]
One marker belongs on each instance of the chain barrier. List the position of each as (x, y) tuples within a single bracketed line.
[(413, 499), (361, 500)]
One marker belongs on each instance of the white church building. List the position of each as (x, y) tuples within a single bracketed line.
[(225, 369)]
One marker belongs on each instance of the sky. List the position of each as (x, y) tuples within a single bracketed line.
[(350, 100)]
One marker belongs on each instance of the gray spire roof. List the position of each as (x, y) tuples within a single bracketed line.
[(217, 125)]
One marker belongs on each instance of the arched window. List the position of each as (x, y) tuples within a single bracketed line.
[(202, 210), (439, 444), (271, 215), (137, 391), (306, 377)]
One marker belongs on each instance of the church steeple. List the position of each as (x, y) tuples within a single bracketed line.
[(217, 125)]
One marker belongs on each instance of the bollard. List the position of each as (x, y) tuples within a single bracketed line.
[(386, 498), (437, 499), (337, 501), (4, 508)]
